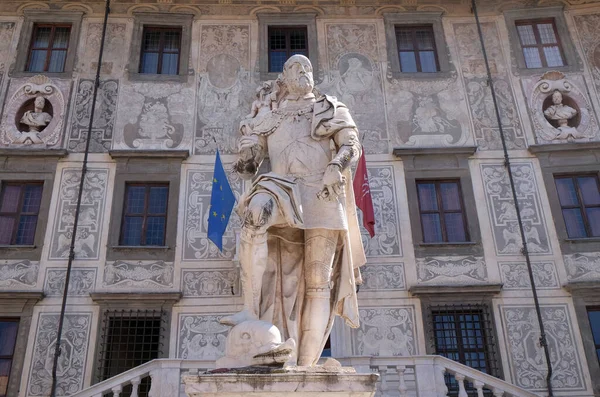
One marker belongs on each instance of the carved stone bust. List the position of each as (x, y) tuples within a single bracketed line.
[(36, 120)]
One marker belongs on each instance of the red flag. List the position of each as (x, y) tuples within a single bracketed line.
[(362, 195)]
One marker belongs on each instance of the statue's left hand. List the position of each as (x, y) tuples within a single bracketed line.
[(333, 183)]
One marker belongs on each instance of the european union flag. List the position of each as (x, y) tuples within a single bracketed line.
[(222, 201)]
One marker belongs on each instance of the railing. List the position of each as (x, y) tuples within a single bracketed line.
[(414, 376)]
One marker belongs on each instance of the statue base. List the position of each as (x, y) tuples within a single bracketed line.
[(267, 382)]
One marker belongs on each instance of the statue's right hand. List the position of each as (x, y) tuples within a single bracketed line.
[(248, 141)]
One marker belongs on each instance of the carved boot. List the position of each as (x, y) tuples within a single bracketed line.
[(315, 317), (253, 262)]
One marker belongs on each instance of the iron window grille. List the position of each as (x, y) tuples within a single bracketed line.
[(145, 214), (579, 197), (416, 49), (594, 318), (464, 333), (48, 49), (285, 42), (441, 211), (130, 338), (540, 43), (9, 328), (19, 210), (161, 48)]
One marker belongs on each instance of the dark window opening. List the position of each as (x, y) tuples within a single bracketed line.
[(327, 348), (161, 47), (145, 214), (464, 333), (579, 197), (285, 42), (19, 210), (9, 328), (441, 211), (416, 49), (540, 43), (48, 49), (594, 317), (130, 338)]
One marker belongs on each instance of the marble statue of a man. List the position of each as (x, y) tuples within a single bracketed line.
[(300, 246), (35, 120), (562, 113)]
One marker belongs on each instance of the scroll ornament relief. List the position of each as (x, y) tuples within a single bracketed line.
[(385, 332), (383, 277), (589, 34), (195, 241), (560, 111), (39, 107), (71, 363), (19, 274), (528, 363), (215, 282), (6, 33), (451, 270), (141, 274), (81, 282), (503, 214), (201, 337), (516, 276), (87, 243), (583, 266)]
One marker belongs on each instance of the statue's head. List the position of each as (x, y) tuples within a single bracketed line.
[(557, 97), (298, 75), (39, 102)]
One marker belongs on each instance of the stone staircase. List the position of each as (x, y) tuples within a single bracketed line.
[(413, 376)]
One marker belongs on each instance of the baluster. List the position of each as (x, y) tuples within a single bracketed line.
[(384, 385), (135, 382), (461, 385), (401, 381), (440, 381), (479, 386), (498, 392), (117, 391)]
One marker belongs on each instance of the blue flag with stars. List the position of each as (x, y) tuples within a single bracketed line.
[(222, 201)]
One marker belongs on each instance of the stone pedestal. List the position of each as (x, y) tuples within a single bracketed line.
[(295, 381)]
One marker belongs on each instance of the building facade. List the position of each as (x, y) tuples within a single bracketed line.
[(445, 275)]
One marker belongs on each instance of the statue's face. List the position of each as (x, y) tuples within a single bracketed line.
[(39, 102), (297, 75), (557, 98)]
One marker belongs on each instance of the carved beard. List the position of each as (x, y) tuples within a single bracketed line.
[(300, 85)]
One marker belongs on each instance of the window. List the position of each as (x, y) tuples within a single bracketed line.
[(48, 50), (540, 43), (160, 50), (579, 198), (8, 338), (130, 338), (594, 317), (145, 214), (285, 42), (442, 211), (19, 209), (416, 49), (463, 333)]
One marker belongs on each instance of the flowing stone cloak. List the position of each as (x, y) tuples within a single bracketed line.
[(283, 283)]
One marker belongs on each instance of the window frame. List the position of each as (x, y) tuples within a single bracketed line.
[(571, 59), (305, 19), (47, 17), (593, 339), (15, 345), (288, 47), (49, 49), (160, 52), (413, 29), (166, 20), (437, 183), (17, 215), (582, 207), (393, 20), (539, 45), (145, 214)]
